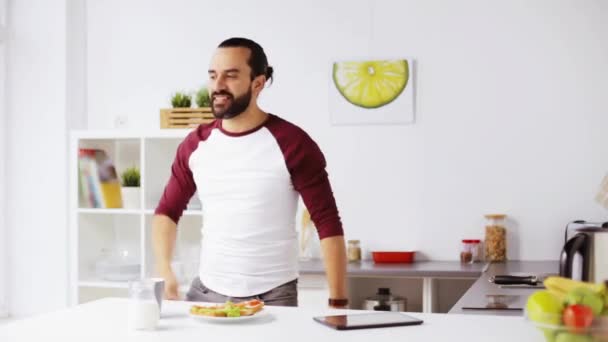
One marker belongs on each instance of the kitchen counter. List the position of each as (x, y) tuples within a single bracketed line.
[(428, 271), (418, 269), (106, 320), (476, 295)]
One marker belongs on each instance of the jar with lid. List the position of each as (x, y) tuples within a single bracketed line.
[(496, 238), (470, 251), (354, 251)]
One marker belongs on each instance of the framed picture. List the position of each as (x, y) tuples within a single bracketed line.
[(372, 92)]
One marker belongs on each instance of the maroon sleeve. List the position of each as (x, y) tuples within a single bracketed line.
[(306, 164), (181, 186)]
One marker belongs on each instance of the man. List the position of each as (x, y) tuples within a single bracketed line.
[(248, 167)]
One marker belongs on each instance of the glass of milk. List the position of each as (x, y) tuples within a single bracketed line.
[(144, 311)]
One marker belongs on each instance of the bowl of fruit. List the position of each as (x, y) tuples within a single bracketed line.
[(569, 311)]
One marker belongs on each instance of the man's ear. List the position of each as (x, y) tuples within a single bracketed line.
[(259, 82)]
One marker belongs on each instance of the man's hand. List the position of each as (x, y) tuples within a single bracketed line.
[(171, 286)]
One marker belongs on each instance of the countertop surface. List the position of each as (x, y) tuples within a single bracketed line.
[(477, 294), (106, 320), (431, 269)]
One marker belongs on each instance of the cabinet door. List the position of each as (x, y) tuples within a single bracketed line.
[(312, 292)]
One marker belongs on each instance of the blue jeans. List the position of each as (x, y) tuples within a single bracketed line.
[(283, 295)]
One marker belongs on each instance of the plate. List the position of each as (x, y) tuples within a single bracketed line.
[(201, 318)]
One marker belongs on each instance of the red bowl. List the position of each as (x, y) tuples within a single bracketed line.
[(393, 257)]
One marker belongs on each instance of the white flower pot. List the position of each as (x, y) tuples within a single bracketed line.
[(130, 197)]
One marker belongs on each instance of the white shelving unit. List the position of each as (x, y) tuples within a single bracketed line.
[(128, 230)]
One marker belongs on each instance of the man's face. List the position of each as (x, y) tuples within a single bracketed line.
[(230, 84)]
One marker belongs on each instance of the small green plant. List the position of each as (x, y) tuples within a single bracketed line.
[(202, 98), (130, 177), (181, 100)]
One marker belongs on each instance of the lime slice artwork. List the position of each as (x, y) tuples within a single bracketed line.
[(371, 84)]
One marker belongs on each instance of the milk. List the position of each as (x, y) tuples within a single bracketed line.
[(143, 314)]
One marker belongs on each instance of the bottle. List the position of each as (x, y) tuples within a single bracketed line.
[(470, 251), (144, 311), (354, 251)]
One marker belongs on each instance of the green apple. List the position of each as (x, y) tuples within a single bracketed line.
[(585, 296), (544, 307), (569, 337), (549, 335)]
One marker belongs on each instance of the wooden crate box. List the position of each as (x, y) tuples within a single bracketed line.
[(185, 117)]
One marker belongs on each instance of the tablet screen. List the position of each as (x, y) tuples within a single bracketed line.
[(368, 320)]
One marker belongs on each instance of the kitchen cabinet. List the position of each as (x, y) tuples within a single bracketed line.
[(429, 286)]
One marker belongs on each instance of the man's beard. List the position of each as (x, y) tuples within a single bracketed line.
[(237, 106)]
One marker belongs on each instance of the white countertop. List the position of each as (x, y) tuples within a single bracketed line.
[(106, 320)]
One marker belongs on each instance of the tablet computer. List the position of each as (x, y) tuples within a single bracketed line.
[(367, 320)]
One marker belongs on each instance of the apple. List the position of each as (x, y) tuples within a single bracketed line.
[(578, 318), (549, 334), (544, 307), (569, 337), (585, 296)]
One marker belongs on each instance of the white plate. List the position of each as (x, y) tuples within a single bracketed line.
[(201, 318)]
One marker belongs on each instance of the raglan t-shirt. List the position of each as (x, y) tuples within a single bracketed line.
[(248, 184)]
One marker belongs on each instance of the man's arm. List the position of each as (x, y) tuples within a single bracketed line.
[(306, 164), (334, 256), (173, 202), (164, 231)]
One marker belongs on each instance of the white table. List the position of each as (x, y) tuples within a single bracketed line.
[(106, 320)]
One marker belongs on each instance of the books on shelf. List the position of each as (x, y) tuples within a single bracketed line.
[(99, 185)]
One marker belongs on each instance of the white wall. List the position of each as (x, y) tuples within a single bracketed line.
[(36, 161), (510, 104), (3, 228), (76, 64)]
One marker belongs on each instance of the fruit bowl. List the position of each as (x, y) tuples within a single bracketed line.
[(552, 327)]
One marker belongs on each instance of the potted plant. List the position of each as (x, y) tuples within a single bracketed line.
[(181, 100), (130, 188), (202, 98), (181, 115)]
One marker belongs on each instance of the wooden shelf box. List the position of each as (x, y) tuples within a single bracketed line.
[(185, 117)]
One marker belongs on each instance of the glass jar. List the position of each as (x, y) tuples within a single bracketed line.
[(470, 251), (496, 238), (354, 251), (144, 311)]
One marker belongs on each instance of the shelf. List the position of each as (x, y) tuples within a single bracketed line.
[(100, 211), (183, 288), (186, 212), (103, 211), (153, 151), (99, 283), (128, 134)]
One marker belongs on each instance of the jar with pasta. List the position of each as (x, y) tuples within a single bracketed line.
[(496, 238)]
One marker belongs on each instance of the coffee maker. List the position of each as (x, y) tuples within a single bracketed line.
[(585, 253)]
